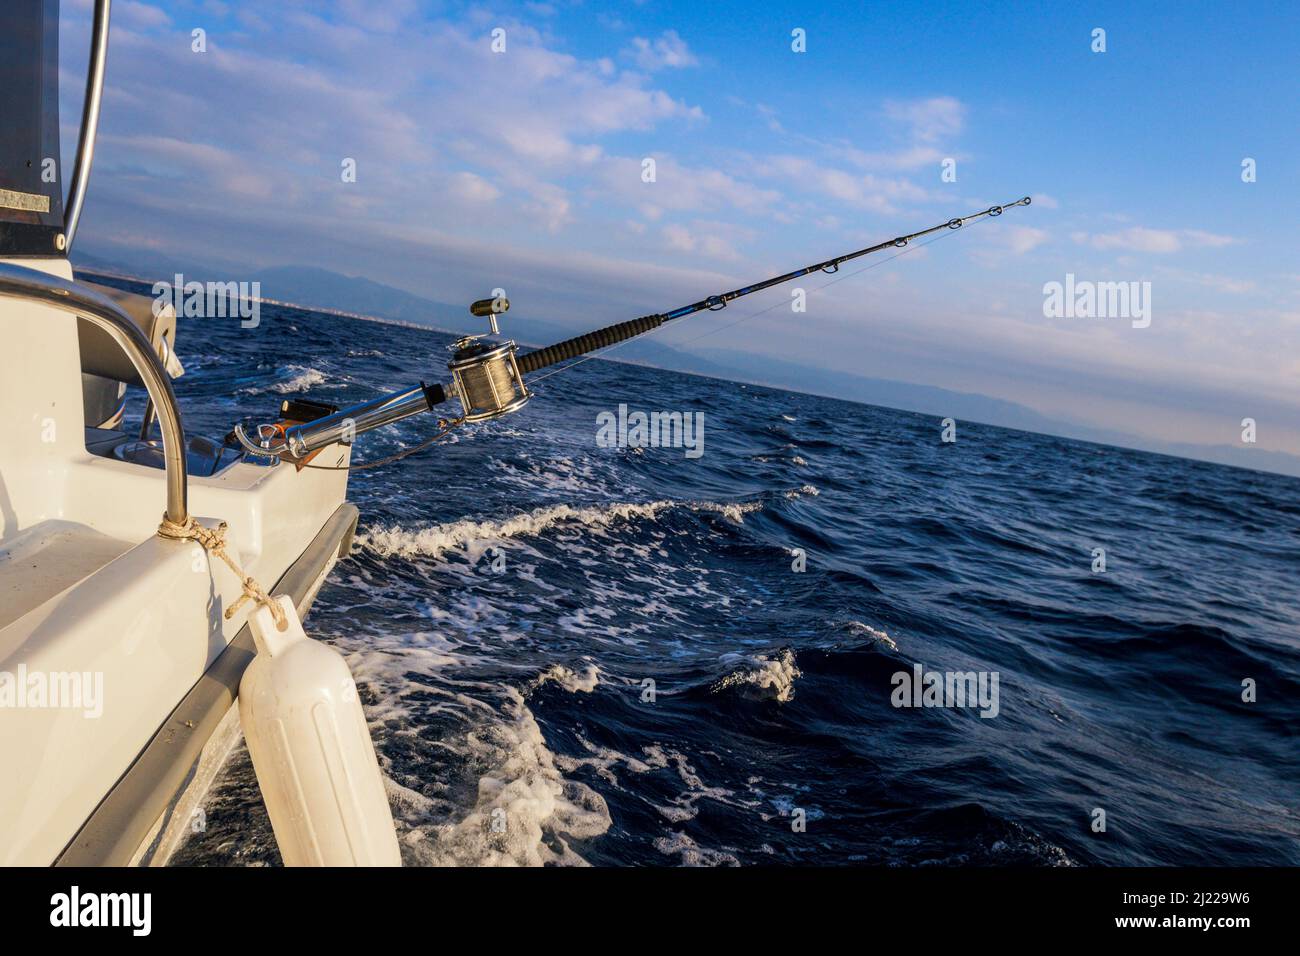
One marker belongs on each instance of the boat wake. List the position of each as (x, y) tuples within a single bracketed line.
[(397, 541), (525, 813)]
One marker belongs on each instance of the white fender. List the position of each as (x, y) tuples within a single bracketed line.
[(312, 751)]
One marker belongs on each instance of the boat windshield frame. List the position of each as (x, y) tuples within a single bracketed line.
[(35, 219)]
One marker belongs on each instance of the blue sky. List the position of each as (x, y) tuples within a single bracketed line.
[(522, 169)]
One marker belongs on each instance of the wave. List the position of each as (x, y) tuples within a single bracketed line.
[(525, 811), (857, 628), (770, 678), (396, 541), (301, 379), (569, 680)]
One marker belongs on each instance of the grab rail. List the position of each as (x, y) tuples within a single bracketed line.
[(18, 282)]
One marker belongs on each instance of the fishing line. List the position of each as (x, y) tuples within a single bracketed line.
[(364, 465), (532, 382)]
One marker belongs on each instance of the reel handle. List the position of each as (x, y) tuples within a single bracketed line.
[(489, 309), (486, 307)]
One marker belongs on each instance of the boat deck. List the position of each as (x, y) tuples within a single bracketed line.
[(47, 559)]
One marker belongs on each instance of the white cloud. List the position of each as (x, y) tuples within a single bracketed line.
[(1231, 285), (1022, 239), (1160, 241), (143, 16), (668, 51), (1196, 237), (386, 17), (930, 119), (550, 206), (680, 187), (474, 187), (514, 127), (707, 238), (856, 188)]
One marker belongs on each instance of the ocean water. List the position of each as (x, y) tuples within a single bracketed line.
[(572, 654)]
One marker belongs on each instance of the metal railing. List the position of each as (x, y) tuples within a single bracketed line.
[(17, 282), (89, 122)]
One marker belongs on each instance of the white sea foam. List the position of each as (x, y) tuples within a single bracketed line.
[(302, 378), (394, 540), (554, 472), (692, 854), (684, 806), (510, 804), (603, 761), (786, 805), (770, 677), (525, 811), (857, 627), (809, 490), (573, 682)]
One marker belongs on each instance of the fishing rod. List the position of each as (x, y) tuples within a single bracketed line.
[(488, 379)]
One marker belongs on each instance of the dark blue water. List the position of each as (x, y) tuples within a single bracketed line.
[(514, 590)]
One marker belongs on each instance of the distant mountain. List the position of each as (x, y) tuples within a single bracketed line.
[(323, 289), (154, 267), (926, 399), (969, 406)]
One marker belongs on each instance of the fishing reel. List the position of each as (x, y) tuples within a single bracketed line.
[(486, 377)]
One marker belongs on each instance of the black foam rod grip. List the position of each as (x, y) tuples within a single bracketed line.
[(600, 339), (434, 394)]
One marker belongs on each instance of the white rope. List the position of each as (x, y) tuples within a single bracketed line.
[(213, 540)]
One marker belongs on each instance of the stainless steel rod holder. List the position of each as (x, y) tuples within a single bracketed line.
[(298, 441)]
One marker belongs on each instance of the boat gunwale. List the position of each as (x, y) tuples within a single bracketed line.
[(129, 813)]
